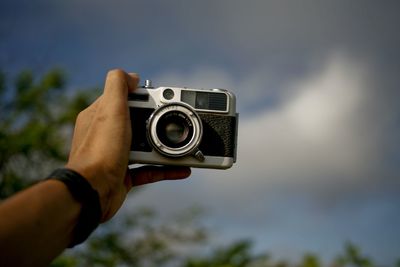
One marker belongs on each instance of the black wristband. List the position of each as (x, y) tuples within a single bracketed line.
[(83, 192)]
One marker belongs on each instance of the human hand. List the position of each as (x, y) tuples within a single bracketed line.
[(101, 143)]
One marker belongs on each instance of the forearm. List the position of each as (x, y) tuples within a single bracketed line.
[(37, 224)]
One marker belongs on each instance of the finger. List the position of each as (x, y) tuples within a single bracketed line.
[(151, 174), (133, 81), (118, 84)]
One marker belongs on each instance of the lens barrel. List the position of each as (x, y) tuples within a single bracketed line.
[(175, 130)]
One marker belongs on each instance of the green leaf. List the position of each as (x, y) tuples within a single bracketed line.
[(64, 261), (54, 79), (2, 82), (24, 81), (310, 260)]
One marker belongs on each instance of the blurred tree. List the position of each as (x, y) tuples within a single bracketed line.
[(139, 239), (352, 256), (36, 122), (310, 260), (238, 254), (36, 118)]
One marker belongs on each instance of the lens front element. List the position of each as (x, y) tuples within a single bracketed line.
[(175, 130)]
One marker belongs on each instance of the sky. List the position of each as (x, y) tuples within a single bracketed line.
[(317, 86)]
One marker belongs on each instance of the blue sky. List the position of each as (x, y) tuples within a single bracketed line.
[(317, 85)]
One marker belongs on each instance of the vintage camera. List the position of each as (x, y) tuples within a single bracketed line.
[(183, 126)]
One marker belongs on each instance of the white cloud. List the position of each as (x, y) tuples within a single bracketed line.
[(324, 139), (319, 130), (321, 137)]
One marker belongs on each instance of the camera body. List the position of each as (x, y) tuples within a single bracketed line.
[(183, 126)]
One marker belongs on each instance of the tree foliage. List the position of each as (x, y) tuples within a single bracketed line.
[(237, 254), (36, 118), (139, 238), (353, 256), (36, 122)]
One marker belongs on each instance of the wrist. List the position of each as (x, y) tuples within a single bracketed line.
[(82, 192), (97, 180)]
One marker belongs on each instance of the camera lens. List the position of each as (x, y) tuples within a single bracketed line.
[(174, 129), (175, 133)]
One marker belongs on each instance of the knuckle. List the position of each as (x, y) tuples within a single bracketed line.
[(81, 116)]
